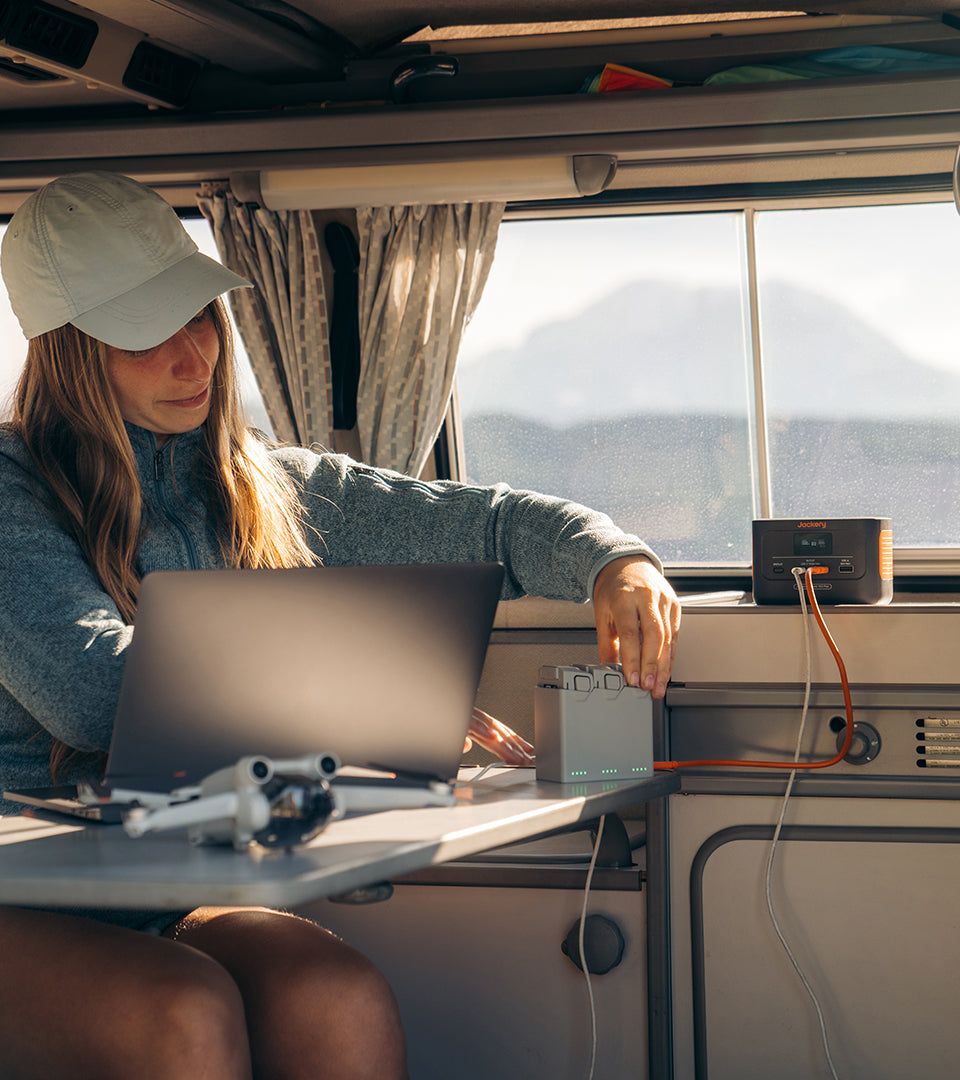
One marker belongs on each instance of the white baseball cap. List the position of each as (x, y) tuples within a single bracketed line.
[(110, 256)]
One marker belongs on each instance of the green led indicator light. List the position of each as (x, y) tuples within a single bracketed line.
[(608, 772)]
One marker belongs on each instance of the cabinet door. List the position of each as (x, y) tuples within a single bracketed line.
[(872, 917)]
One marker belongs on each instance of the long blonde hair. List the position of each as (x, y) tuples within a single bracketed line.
[(67, 414)]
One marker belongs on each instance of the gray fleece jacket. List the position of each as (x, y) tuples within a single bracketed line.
[(62, 640)]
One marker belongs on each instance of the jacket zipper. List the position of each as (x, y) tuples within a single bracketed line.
[(159, 476)]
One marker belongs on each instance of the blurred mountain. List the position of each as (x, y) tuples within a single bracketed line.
[(656, 348)]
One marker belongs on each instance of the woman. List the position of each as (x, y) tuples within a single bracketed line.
[(127, 453)]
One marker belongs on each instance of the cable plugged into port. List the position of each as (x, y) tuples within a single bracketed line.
[(844, 747)]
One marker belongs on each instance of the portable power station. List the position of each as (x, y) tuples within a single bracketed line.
[(857, 554)]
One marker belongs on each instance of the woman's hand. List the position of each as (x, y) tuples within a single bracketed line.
[(638, 619), (488, 732)]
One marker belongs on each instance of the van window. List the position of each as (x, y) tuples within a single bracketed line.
[(686, 372), (13, 348), (607, 362)]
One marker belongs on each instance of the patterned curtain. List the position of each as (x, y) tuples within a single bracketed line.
[(283, 321), (422, 271)]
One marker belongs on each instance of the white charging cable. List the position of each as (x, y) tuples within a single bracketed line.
[(583, 959), (798, 574)]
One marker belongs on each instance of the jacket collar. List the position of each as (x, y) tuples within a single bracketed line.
[(144, 442)]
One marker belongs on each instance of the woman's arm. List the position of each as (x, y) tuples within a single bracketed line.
[(549, 546), (62, 639)]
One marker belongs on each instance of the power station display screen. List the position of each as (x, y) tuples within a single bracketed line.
[(813, 543)]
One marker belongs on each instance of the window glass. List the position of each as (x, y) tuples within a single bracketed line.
[(607, 363), (13, 348), (860, 338)]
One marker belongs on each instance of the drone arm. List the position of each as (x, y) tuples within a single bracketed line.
[(193, 812)]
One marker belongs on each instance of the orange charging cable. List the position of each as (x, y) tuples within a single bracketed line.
[(844, 749)]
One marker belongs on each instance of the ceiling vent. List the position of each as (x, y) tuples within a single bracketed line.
[(68, 41), (48, 32), (161, 74)]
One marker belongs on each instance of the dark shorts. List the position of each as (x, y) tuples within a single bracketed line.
[(148, 921)]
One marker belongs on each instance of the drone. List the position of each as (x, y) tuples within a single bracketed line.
[(262, 803)]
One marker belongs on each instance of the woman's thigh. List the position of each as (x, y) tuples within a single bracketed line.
[(315, 1006), (85, 999)]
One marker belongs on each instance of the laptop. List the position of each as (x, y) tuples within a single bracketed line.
[(376, 664)]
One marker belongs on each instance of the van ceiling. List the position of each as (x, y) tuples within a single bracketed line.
[(371, 26), (315, 41), (174, 90)]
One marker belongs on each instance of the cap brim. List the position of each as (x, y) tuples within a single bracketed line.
[(149, 314)]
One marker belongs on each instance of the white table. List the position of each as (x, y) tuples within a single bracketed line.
[(99, 865)]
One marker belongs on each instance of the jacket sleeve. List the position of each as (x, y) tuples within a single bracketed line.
[(549, 547), (62, 639)]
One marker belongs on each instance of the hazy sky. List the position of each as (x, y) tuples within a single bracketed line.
[(899, 267), (896, 266)]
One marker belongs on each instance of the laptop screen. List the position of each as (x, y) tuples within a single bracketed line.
[(378, 664)]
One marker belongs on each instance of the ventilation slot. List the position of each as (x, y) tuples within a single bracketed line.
[(161, 74), (60, 36), (938, 742), (26, 73)]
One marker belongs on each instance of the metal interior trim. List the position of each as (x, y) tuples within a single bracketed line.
[(535, 876)]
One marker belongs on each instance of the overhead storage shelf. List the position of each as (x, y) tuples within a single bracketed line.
[(843, 128)]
